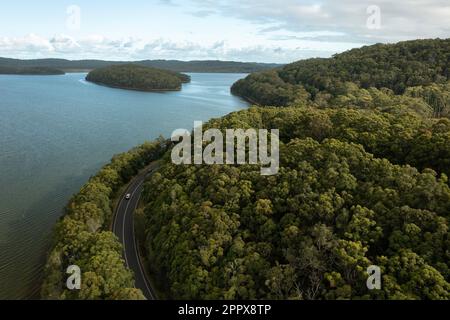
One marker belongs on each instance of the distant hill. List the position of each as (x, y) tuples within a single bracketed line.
[(137, 77), (31, 71), (213, 66)]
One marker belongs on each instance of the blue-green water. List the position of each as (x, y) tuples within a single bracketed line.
[(57, 131)]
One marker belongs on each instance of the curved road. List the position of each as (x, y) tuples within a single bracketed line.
[(123, 228)]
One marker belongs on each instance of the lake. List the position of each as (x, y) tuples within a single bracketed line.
[(57, 131)]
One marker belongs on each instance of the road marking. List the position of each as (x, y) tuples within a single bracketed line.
[(138, 256), (144, 177), (123, 223)]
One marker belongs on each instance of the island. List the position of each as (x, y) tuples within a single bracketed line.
[(40, 71), (138, 77)]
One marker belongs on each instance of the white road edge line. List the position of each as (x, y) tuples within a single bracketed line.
[(123, 223), (137, 253)]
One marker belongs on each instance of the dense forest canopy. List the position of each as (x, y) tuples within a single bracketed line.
[(365, 160), (365, 156), (396, 67), (31, 71), (136, 77), (173, 65), (226, 232)]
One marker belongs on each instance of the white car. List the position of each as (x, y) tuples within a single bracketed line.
[(128, 196)]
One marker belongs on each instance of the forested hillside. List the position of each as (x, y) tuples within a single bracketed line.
[(135, 77), (365, 159), (310, 232), (173, 65), (396, 67), (42, 71), (363, 181)]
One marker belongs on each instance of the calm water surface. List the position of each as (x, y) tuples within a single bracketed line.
[(57, 131)]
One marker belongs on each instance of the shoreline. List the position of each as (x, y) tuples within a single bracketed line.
[(134, 89), (35, 292)]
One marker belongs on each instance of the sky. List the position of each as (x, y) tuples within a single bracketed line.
[(276, 31)]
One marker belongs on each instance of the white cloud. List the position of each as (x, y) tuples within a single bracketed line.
[(311, 10), (99, 47), (251, 30), (401, 19), (62, 43), (28, 43)]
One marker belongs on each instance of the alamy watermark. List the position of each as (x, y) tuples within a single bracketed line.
[(74, 280), (374, 19), (240, 145), (374, 279), (73, 21)]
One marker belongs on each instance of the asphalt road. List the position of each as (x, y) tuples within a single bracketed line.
[(123, 227)]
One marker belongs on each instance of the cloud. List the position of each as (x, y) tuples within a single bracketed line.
[(400, 19), (252, 30), (220, 50), (32, 46), (28, 43), (99, 47), (61, 43)]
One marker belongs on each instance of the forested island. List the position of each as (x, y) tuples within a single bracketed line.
[(31, 71), (137, 77), (365, 160), (207, 66)]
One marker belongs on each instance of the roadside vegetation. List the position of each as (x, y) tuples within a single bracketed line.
[(82, 237)]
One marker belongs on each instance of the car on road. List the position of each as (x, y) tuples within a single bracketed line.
[(128, 196)]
